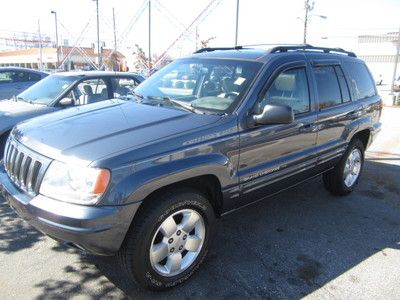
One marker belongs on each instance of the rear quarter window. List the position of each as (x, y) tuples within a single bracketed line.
[(360, 81)]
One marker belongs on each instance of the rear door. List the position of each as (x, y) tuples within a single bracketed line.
[(335, 109), (275, 156)]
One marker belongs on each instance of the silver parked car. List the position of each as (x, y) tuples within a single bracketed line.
[(14, 80)]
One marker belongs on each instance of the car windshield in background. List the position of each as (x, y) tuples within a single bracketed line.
[(214, 85), (47, 90)]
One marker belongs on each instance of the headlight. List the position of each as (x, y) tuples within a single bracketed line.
[(70, 183)]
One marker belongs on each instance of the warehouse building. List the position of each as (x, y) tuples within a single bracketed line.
[(70, 58), (379, 52)]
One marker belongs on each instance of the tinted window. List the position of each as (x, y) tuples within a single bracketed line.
[(289, 88), (328, 86), (360, 81), (343, 85), (5, 77), (34, 77)]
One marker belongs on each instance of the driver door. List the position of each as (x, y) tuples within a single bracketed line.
[(273, 157)]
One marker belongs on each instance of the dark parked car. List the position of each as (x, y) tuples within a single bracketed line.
[(64, 90), (14, 80), (207, 134)]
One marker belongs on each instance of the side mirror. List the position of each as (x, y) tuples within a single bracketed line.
[(66, 101), (273, 114)]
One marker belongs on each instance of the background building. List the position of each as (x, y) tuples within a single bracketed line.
[(379, 52), (70, 58)]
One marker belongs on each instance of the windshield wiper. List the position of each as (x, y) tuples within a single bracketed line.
[(137, 95), (186, 106)]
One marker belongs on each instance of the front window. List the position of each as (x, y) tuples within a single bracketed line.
[(290, 88), (213, 85), (47, 90)]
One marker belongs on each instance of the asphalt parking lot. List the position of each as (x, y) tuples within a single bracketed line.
[(301, 243)]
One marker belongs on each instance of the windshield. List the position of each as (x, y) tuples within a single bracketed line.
[(214, 85), (47, 90)]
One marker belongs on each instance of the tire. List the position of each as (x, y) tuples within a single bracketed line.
[(149, 231), (335, 180)]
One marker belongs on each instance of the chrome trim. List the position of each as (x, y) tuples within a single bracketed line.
[(24, 167)]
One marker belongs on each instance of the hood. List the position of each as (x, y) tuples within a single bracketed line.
[(91, 132), (13, 112)]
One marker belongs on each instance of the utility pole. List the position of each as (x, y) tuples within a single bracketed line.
[(98, 35), (307, 7), (197, 38), (115, 31), (58, 52), (396, 61), (40, 48), (149, 35), (237, 22)]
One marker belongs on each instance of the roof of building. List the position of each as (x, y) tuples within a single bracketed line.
[(96, 73), (66, 50)]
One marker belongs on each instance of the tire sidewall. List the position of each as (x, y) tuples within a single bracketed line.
[(141, 266), (356, 144)]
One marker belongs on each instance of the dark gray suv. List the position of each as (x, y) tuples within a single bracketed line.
[(146, 178)]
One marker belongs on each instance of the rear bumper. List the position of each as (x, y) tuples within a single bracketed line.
[(98, 230), (374, 132)]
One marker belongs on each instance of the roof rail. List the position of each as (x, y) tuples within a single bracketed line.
[(307, 47), (218, 48)]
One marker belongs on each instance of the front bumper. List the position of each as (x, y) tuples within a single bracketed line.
[(96, 229)]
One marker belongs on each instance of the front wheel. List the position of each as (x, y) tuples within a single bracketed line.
[(344, 177), (168, 240)]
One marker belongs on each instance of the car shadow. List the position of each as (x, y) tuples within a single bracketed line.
[(15, 233), (285, 247)]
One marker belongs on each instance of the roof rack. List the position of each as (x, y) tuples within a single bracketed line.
[(307, 47), (218, 48)]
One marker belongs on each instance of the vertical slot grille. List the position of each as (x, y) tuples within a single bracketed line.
[(23, 168)]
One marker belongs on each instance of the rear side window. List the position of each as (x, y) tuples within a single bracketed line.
[(328, 87), (343, 85), (360, 81)]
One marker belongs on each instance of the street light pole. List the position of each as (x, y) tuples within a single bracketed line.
[(396, 61), (98, 35), (307, 8), (115, 32), (58, 52), (237, 23), (149, 35)]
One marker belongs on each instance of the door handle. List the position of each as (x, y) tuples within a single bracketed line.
[(308, 128), (356, 113)]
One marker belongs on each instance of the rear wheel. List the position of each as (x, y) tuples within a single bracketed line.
[(344, 177), (168, 240)]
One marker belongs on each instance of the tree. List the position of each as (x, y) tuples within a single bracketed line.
[(141, 60), (113, 61)]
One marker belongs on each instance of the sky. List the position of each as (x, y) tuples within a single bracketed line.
[(260, 21)]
